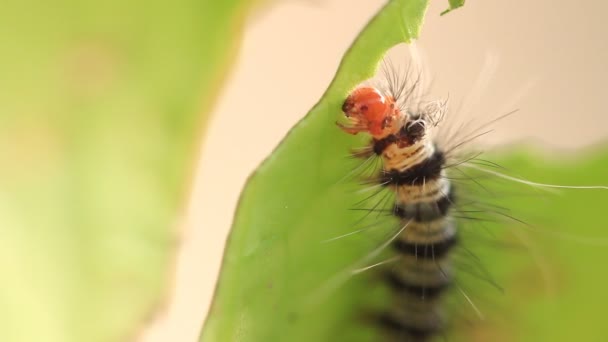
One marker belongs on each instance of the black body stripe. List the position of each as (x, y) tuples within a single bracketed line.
[(409, 134), (427, 170), (432, 251), (381, 144), (427, 292), (417, 332)]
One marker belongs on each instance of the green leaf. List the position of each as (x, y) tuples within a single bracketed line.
[(282, 280), (454, 4), (100, 114), (553, 287), (275, 265)]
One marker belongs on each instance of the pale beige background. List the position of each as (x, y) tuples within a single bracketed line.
[(550, 60)]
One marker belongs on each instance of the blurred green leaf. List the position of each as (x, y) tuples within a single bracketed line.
[(282, 280), (101, 108), (552, 279)]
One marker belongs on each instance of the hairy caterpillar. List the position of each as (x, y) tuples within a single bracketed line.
[(429, 204)]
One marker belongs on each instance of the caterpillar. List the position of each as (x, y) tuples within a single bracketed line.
[(415, 167)]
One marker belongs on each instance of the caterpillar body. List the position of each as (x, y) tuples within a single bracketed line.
[(435, 181), (414, 169)]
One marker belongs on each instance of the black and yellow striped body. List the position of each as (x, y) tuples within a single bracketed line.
[(413, 168)]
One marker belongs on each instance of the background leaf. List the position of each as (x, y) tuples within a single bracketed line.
[(101, 106), (552, 288)]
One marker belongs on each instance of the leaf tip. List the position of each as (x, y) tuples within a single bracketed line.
[(454, 4)]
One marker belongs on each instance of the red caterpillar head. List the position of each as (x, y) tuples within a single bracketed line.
[(370, 111)]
